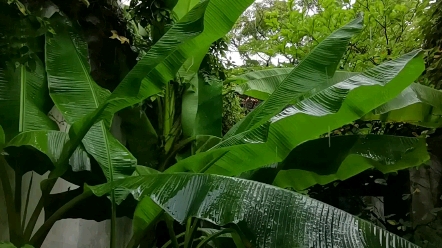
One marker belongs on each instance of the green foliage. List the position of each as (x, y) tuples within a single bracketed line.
[(226, 200), (19, 45), (232, 110), (184, 87), (431, 28), (290, 30)]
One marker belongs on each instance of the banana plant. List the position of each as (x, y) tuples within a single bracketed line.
[(417, 104), (311, 99)]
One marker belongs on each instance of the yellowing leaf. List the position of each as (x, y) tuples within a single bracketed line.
[(86, 2), (392, 222), (122, 39)]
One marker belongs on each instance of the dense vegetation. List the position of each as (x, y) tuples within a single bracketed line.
[(141, 107)]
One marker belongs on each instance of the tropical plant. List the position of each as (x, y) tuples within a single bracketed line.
[(191, 172)]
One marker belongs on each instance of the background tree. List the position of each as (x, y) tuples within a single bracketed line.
[(289, 30)]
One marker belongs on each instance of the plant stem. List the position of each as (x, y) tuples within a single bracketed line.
[(25, 211), (170, 241), (41, 233), (36, 213), (190, 230), (113, 232), (173, 152), (17, 200), (173, 237), (213, 236), (13, 220)]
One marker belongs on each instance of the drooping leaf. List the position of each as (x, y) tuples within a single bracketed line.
[(312, 74), (24, 100), (417, 104), (261, 84), (268, 216), (315, 114), (325, 160), (49, 143), (76, 94)]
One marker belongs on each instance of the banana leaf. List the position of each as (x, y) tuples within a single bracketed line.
[(183, 7), (189, 106), (76, 94), (325, 160), (49, 144), (202, 107), (268, 216), (314, 115), (208, 119), (24, 100), (261, 84), (24, 104), (201, 26), (155, 69), (311, 75), (417, 104)]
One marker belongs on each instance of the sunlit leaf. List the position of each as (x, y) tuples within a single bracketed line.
[(417, 104)]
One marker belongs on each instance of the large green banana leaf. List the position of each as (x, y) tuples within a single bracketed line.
[(268, 216), (261, 84), (208, 119), (417, 104), (24, 100), (202, 107), (325, 160), (76, 94), (189, 106), (315, 114), (216, 23), (311, 75), (155, 69), (219, 17)]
